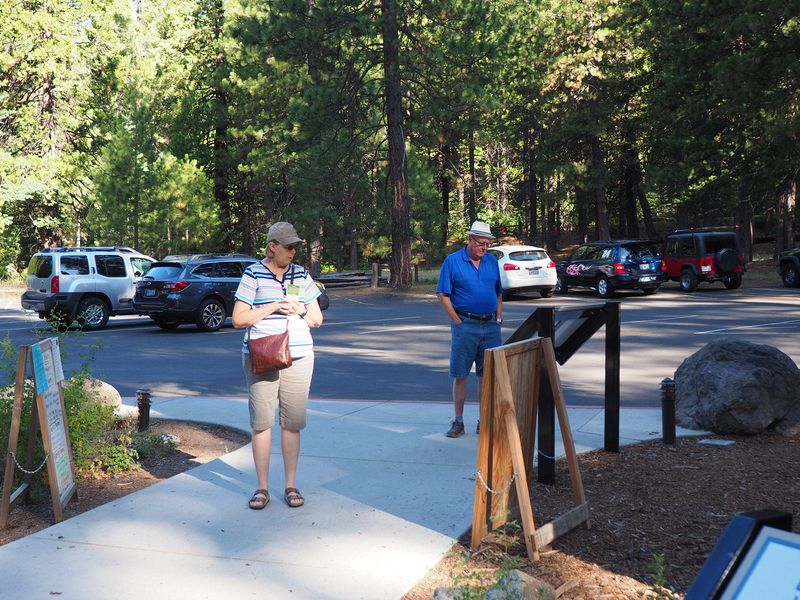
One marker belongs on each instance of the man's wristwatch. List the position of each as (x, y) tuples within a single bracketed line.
[(303, 316)]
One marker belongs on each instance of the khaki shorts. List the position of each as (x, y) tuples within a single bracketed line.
[(287, 389)]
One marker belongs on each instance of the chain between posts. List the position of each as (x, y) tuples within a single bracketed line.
[(500, 491), (23, 469)]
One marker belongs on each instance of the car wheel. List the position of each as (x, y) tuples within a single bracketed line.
[(649, 290), (733, 283), (561, 287), (726, 260), (604, 289), (546, 293), (791, 276), (93, 313), (211, 315), (166, 323), (688, 280)]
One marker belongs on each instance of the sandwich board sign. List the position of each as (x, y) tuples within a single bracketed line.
[(49, 414)]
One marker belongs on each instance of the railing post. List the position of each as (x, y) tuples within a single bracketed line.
[(546, 461), (668, 410), (612, 377), (143, 402)]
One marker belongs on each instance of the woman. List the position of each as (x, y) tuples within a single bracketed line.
[(273, 295)]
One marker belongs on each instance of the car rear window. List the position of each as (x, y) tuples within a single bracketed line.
[(523, 255), (74, 265), (715, 243), (638, 251), (40, 266), (163, 271)]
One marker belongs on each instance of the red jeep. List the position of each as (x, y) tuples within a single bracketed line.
[(704, 254)]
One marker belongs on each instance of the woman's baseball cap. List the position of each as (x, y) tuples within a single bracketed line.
[(283, 233)]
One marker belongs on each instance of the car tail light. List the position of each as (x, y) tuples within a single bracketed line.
[(176, 286), (663, 265), (619, 268), (707, 264), (510, 267), (55, 285), (551, 265)]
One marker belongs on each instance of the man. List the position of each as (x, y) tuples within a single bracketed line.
[(470, 293)]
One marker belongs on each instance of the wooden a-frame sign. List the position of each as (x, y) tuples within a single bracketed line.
[(509, 397), (48, 416)]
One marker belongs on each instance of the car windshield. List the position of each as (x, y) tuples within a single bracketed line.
[(525, 255), (715, 243), (638, 251)]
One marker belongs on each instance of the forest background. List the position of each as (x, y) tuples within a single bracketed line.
[(382, 128)]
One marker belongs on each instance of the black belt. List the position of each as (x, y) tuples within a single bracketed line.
[(474, 317)]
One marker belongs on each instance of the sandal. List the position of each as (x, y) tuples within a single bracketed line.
[(293, 497), (259, 500)]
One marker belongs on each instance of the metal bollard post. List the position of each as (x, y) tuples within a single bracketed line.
[(143, 402), (668, 410)]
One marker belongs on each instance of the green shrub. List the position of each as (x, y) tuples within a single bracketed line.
[(101, 443), (153, 445)]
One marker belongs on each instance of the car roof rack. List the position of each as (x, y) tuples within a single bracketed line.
[(195, 257), (723, 228), (89, 249)]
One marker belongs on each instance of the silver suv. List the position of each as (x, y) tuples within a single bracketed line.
[(86, 283)]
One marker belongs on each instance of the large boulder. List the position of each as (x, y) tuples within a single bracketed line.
[(737, 387), (103, 391)]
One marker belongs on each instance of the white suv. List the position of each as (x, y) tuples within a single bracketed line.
[(86, 283)]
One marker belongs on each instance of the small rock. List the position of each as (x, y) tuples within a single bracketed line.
[(517, 585)]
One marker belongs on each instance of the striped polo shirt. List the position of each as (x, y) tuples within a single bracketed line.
[(260, 286)]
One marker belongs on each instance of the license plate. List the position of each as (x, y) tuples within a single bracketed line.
[(534, 270), (646, 278), (149, 292)]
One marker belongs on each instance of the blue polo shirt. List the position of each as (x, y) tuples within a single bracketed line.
[(470, 289)]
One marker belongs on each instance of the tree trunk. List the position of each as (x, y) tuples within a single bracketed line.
[(597, 173), (472, 208), (445, 184), (787, 198), (581, 206), (530, 180), (400, 261), (683, 215), (743, 220)]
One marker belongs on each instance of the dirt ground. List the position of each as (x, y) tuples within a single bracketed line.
[(656, 513), (197, 444)]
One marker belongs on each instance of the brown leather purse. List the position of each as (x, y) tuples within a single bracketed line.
[(269, 353)]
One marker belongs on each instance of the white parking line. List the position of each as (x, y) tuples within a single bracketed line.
[(759, 326), (664, 320)]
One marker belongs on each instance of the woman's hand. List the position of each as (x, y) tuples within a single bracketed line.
[(290, 306)]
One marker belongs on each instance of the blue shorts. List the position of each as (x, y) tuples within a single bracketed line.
[(468, 342)]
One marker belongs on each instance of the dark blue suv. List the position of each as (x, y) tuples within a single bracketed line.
[(195, 289), (611, 265)]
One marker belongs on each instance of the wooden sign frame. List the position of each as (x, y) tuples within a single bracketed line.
[(49, 416), (509, 397)]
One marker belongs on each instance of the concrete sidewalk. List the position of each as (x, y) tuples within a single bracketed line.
[(387, 494)]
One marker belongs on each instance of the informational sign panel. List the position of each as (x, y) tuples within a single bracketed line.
[(770, 569), (48, 374), (47, 414)]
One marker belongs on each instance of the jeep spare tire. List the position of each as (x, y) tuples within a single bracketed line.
[(726, 260)]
